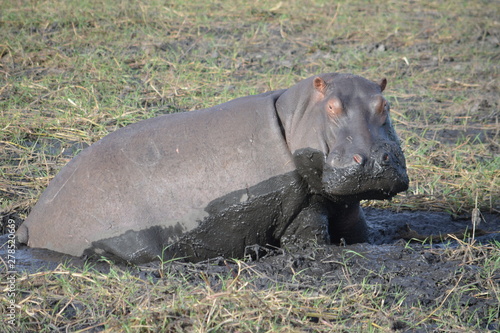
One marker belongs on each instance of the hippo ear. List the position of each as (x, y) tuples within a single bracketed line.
[(320, 85), (382, 83)]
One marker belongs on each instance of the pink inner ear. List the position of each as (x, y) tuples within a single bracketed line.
[(320, 85)]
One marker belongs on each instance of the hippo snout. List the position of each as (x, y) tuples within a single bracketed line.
[(383, 158), (379, 174)]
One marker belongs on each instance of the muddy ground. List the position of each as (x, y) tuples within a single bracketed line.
[(390, 234), (410, 248)]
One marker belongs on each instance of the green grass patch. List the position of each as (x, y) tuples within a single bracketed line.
[(75, 71)]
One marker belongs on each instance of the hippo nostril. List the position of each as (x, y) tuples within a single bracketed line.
[(385, 158), (358, 158)]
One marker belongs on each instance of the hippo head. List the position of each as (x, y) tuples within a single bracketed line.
[(338, 129)]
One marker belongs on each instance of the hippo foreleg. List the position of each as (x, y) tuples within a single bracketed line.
[(347, 223), (326, 223), (310, 224)]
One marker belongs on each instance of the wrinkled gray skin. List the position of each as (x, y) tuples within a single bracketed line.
[(283, 166)]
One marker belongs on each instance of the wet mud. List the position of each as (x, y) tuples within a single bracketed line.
[(390, 235), (411, 249)]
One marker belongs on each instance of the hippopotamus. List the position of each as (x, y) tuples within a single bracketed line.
[(275, 168)]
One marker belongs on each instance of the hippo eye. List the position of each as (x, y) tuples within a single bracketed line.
[(382, 113), (382, 106), (334, 107), (386, 105)]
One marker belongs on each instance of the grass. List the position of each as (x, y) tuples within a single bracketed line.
[(184, 297), (73, 71)]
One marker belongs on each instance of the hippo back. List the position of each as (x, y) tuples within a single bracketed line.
[(159, 173)]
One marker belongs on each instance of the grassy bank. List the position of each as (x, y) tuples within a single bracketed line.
[(71, 72)]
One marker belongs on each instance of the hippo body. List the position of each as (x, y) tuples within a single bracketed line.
[(283, 166)]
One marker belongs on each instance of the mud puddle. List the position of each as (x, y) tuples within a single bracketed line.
[(390, 232), (407, 273)]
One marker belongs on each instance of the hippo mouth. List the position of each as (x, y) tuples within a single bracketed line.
[(359, 182), (367, 181)]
